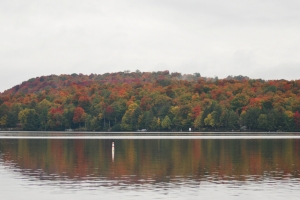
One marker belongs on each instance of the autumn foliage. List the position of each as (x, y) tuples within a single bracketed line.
[(156, 101)]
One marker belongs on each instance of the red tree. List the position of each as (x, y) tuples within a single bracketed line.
[(297, 119), (79, 115)]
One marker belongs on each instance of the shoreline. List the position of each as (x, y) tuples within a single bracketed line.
[(147, 135), (155, 132)]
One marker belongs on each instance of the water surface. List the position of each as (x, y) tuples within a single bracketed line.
[(149, 168)]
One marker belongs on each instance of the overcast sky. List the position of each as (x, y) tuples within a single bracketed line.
[(257, 38)]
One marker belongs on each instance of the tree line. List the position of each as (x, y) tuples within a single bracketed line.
[(156, 101)]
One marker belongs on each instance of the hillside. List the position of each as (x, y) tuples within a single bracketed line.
[(156, 101)]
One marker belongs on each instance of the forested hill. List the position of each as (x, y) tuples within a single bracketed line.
[(156, 101)]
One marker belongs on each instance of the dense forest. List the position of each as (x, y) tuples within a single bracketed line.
[(156, 101)]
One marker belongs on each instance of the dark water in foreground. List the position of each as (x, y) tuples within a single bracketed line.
[(149, 168)]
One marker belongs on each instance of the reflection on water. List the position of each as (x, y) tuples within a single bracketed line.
[(169, 167)]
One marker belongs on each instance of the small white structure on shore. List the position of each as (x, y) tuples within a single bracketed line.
[(190, 129), (143, 130)]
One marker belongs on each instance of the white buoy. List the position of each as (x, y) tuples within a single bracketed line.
[(113, 151)]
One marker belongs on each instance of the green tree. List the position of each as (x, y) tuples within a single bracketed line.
[(209, 121), (204, 115), (238, 102), (233, 120), (43, 118), (29, 119), (251, 117), (275, 119), (119, 107), (166, 123), (3, 121), (197, 122), (288, 123), (128, 118), (263, 122), (55, 121), (135, 118), (42, 109), (146, 119), (155, 124), (176, 117), (68, 115), (12, 116), (216, 114), (4, 110)]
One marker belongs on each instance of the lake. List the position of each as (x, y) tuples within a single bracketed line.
[(149, 166)]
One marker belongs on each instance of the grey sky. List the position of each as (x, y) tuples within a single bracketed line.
[(257, 38)]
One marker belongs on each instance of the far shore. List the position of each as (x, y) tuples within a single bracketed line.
[(156, 133)]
